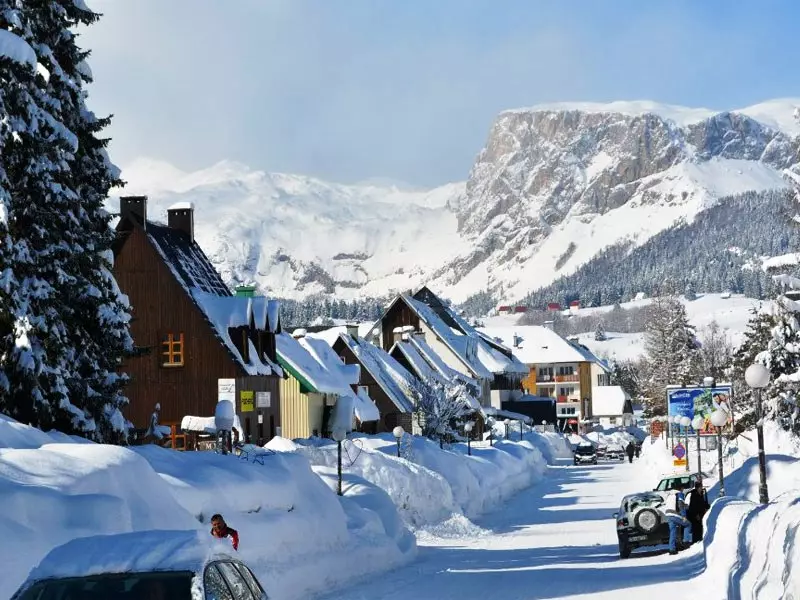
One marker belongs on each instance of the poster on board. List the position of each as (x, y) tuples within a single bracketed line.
[(690, 401)]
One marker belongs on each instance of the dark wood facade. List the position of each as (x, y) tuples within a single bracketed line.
[(398, 315), (161, 306), (390, 416)]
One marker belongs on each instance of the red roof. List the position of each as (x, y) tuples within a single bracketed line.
[(554, 306), (504, 308), (575, 303), (520, 309)]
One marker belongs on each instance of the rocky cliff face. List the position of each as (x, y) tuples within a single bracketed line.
[(580, 168), (554, 186)]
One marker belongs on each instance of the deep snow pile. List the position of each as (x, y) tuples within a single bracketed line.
[(434, 487), (298, 536)]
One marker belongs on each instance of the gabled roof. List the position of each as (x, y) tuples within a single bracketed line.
[(204, 286), (317, 371), (389, 374), (540, 345)]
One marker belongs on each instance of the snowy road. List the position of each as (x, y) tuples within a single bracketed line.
[(554, 540)]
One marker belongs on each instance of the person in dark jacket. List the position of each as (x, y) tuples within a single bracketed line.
[(220, 529), (696, 510), (630, 449), (638, 449)]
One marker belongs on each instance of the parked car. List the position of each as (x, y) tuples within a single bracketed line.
[(683, 481), (601, 451), (585, 453), (615, 452), (174, 565), (641, 522)]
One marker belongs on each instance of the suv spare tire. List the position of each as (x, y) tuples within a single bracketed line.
[(647, 520)]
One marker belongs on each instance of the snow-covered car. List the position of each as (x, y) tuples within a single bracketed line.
[(148, 565), (641, 522), (615, 452), (585, 453)]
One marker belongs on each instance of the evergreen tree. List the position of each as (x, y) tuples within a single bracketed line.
[(690, 293), (716, 352), (600, 333), (670, 351)]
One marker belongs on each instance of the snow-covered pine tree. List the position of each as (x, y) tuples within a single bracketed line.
[(689, 293), (96, 314), (670, 351), (34, 154), (716, 352), (600, 333)]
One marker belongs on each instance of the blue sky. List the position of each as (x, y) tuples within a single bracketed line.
[(350, 90)]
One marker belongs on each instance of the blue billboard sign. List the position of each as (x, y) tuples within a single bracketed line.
[(691, 401)]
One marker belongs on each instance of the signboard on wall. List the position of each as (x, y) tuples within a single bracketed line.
[(693, 400), (263, 399), (246, 398), (226, 390)]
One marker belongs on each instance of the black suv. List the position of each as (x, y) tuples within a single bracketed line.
[(641, 522), (585, 453)]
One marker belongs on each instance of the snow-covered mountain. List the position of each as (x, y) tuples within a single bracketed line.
[(554, 185)]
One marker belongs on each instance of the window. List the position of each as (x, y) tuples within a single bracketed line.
[(216, 588), (237, 584), (172, 350), (250, 579)]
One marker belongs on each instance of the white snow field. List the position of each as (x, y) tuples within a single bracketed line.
[(557, 539)]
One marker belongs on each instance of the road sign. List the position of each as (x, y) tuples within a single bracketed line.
[(679, 462), (679, 451)]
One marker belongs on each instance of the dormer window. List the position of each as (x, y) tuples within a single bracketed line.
[(172, 350)]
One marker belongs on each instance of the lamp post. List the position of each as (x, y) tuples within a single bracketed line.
[(686, 423), (338, 435), (757, 377), (398, 432), (544, 426), (507, 422), (520, 430), (468, 429), (718, 419), (697, 424), (490, 424)]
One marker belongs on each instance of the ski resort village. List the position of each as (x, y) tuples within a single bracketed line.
[(520, 353)]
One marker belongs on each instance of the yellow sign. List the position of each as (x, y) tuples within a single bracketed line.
[(675, 463), (246, 398)]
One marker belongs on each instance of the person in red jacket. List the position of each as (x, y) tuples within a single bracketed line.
[(220, 529)]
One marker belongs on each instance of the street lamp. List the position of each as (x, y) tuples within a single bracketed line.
[(718, 419), (697, 424), (338, 435), (507, 422), (757, 377), (686, 423), (468, 429), (520, 430), (398, 432), (544, 426), (490, 424)]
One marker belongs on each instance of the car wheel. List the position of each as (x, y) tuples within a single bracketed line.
[(647, 520), (624, 550)]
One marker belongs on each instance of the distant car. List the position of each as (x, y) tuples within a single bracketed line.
[(601, 451), (585, 453), (168, 565), (615, 452), (641, 522)]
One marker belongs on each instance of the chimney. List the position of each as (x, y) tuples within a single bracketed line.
[(352, 330), (180, 216), (134, 206), (299, 333), (397, 334)]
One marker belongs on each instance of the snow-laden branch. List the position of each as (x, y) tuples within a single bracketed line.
[(15, 48)]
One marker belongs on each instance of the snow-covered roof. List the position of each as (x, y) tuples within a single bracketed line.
[(300, 363), (331, 335), (536, 345), (462, 338), (428, 353), (421, 367), (389, 374), (608, 401), (208, 425), (365, 408), (136, 552)]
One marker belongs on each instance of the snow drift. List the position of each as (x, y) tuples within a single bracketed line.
[(297, 536)]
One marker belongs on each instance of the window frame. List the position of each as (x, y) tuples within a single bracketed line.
[(167, 353)]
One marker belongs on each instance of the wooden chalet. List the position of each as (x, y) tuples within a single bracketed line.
[(382, 378), (200, 342)]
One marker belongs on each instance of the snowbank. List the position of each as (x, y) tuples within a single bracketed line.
[(429, 485), (298, 536), (751, 550)]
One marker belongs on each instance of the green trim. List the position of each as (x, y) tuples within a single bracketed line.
[(305, 384)]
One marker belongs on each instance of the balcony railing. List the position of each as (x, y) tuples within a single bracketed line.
[(544, 378), (561, 399), (567, 378)]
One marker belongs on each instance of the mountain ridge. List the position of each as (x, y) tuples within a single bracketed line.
[(551, 189)]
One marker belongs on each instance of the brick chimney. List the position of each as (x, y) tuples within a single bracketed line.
[(135, 207), (180, 216)]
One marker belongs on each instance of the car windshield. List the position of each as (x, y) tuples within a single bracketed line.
[(127, 586), (585, 450), (674, 483)]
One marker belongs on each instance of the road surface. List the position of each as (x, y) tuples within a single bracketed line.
[(554, 540)]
